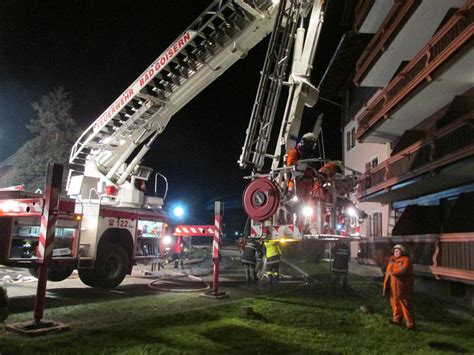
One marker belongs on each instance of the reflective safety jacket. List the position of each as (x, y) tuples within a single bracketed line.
[(272, 251)]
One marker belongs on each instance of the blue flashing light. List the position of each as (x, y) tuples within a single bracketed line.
[(178, 211)]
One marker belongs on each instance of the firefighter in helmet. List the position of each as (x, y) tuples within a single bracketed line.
[(305, 149), (322, 192), (399, 283), (273, 257), (251, 252), (340, 265)]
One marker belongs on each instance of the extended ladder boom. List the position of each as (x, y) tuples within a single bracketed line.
[(221, 35), (289, 37)]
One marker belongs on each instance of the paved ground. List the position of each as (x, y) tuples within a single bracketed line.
[(21, 287)]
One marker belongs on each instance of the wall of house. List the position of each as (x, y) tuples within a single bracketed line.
[(450, 291), (356, 156)]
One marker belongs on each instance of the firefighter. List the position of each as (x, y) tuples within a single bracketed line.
[(340, 266), (399, 278), (241, 244), (273, 256), (321, 192), (320, 189), (178, 256), (252, 251), (305, 149)]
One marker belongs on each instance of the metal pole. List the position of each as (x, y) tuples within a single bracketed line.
[(216, 244), (46, 238)]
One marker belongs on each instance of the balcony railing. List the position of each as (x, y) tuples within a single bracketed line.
[(393, 22), (444, 255), (447, 42), (362, 10), (447, 145)]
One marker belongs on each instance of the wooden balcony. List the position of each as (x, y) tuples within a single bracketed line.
[(447, 145), (448, 256), (450, 42), (393, 22), (362, 10)]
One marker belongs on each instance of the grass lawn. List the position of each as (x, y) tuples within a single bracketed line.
[(311, 319)]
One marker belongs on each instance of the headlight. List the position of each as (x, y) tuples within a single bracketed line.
[(167, 240)]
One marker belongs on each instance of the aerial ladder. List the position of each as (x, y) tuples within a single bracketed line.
[(107, 155), (274, 212)]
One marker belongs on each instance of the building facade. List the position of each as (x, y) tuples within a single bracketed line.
[(407, 93)]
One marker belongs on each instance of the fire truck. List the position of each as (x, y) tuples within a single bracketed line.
[(106, 224)]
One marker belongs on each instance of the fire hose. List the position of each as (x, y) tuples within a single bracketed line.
[(167, 289)]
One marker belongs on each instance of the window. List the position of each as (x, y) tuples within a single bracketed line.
[(374, 162), (377, 224), (371, 164), (368, 226), (350, 139)]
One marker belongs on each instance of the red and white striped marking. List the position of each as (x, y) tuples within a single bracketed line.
[(13, 188), (289, 230), (195, 231), (217, 236), (21, 207), (46, 235)]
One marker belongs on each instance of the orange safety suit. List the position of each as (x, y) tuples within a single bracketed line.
[(400, 275), (305, 184)]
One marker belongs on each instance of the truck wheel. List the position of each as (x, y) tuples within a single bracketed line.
[(111, 266), (56, 273), (87, 277)]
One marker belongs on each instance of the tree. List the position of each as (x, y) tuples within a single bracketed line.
[(54, 132)]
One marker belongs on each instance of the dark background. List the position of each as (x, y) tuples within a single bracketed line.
[(95, 49)]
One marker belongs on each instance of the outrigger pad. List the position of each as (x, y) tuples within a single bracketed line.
[(33, 329)]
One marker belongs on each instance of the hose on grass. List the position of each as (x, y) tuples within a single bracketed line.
[(301, 271), (167, 289)]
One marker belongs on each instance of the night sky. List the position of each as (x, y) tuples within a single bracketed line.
[(95, 49)]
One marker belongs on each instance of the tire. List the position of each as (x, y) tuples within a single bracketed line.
[(87, 277), (110, 267), (56, 273)]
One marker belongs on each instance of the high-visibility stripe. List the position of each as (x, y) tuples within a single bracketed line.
[(204, 231), (289, 230), (46, 234), (216, 241)]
